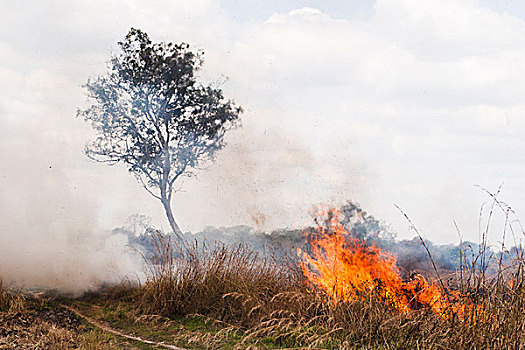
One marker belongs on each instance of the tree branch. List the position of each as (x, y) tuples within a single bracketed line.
[(147, 189)]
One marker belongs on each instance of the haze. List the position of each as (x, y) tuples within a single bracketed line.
[(411, 102)]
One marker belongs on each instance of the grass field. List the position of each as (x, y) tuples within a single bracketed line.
[(231, 297)]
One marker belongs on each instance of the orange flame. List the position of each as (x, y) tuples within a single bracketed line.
[(346, 268)]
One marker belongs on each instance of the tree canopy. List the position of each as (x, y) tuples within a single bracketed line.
[(150, 113)]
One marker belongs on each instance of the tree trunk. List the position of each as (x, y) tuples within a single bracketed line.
[(176, 230), (165, 196)]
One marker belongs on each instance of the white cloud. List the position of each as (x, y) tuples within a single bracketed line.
[(427, 92), (442, 30)]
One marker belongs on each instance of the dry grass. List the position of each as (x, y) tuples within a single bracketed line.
[(10, 301), (21, 329), (233, 283), (28, 322), (247, 300), (269, 304), (232, 297), (36, 333), (39, 335)]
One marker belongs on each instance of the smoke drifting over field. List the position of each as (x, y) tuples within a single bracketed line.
[(396, 102), (265, 174), (58, 208), (49, 234)]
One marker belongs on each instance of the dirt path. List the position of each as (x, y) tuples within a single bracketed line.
[(118, 333)]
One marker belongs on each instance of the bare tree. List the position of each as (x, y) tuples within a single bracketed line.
[(151, 114)]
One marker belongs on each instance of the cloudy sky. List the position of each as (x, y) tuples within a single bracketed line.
[(407, 102)]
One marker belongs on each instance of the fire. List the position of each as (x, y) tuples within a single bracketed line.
[(347, 268)]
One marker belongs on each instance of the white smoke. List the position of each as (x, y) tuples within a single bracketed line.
[(50, 235)]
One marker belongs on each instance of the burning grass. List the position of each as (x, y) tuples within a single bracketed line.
[(340, 293), (347, 268)]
